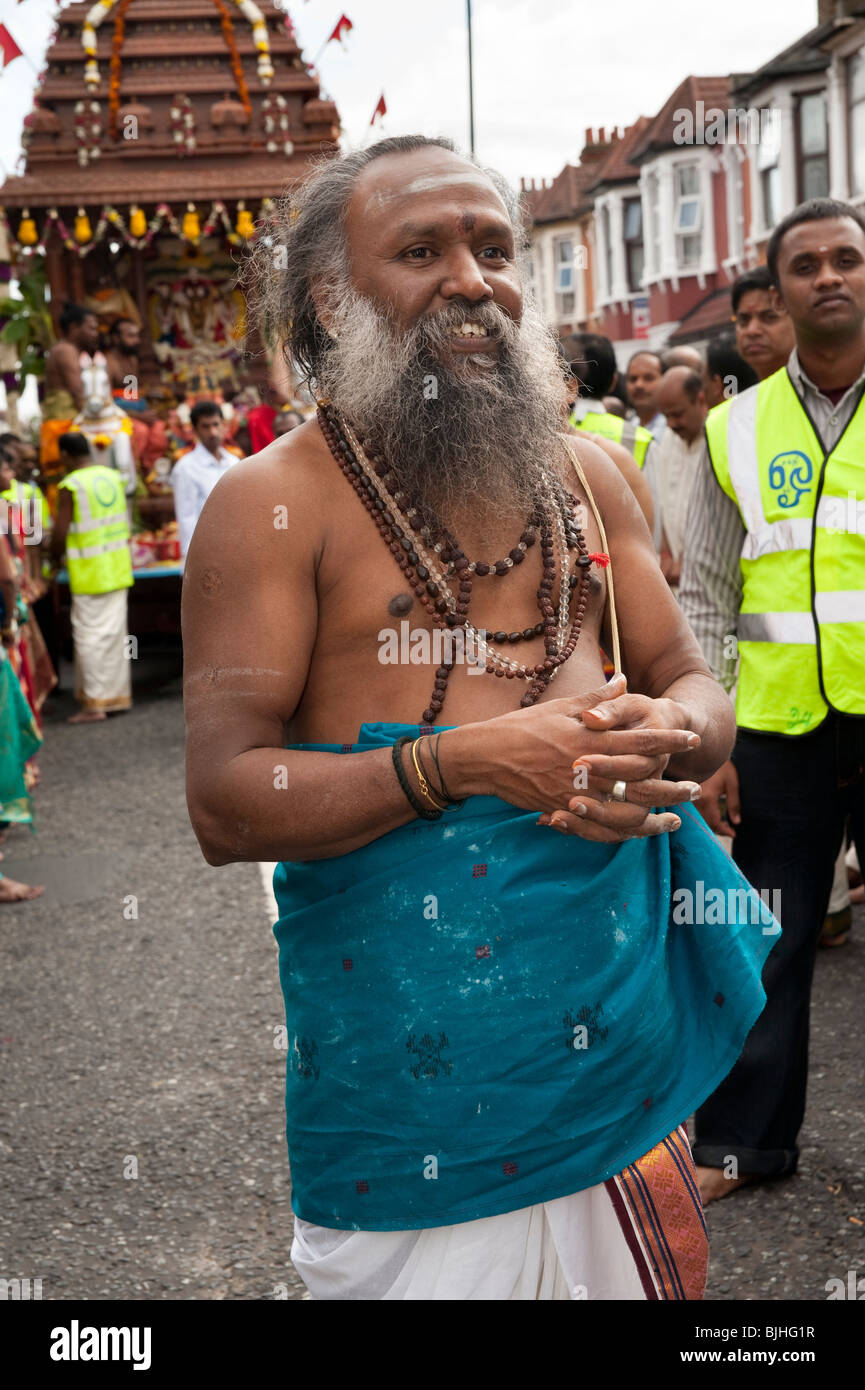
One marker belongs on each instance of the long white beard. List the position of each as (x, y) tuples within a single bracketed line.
[(478, 430)]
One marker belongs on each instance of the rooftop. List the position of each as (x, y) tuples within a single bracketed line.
[(178, 102), (659, 134)]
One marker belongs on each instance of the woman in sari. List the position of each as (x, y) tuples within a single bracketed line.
[(19, 735), (28, 653)]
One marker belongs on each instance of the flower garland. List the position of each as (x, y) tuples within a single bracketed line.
[(236, 65), (250, 11), (111, 222), (274, 111), (92, 21), (114, 78), (88, 131), (182, 124)]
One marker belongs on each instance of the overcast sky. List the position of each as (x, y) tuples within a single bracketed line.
[(544, 69)]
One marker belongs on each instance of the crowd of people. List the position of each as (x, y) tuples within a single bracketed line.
[(71, 501), (709, 540)]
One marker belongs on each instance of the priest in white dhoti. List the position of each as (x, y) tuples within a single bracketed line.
[(91, 525)]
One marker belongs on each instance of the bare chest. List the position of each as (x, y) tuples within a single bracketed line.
[(380, 655)]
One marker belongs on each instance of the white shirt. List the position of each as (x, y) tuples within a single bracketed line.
[(193, 478), (677, 469), (657, 426)]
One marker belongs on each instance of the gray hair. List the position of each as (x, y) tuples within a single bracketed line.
[(303, 245)]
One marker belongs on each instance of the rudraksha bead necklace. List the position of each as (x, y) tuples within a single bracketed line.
[(421, 546)]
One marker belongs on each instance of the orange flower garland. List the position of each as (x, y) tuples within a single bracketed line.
[(114, 79), (236, 65)]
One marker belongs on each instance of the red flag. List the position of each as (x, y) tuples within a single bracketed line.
[(342, 27), (8, 47), (380, 110)]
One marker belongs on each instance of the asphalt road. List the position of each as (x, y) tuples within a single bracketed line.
[(141, 1127)]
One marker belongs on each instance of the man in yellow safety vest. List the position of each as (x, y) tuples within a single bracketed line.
[(592, 361), (774, 575), (93, 527)]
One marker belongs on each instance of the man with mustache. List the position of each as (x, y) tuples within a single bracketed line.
[(774, 573), (493, 1036), (642, 383), (764, 333)]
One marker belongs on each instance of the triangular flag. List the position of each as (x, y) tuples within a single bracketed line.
[(342, 27), (380, 110), (8, 47)]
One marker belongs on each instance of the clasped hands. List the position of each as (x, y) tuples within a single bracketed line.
[(635, 739)]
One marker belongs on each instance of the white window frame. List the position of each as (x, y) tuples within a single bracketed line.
[(734, 160), (633, 196), (694, 232), (825, 154), (560, 266), (652, 228), (562, 292)]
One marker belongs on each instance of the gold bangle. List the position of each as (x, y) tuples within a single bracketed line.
[(422, 781)]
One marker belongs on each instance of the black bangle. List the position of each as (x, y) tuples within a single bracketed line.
[(434, 745), (396, 752)]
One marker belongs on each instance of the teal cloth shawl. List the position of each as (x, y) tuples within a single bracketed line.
[(483, 1014)]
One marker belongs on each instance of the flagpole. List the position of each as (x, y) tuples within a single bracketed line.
[(471, 80)]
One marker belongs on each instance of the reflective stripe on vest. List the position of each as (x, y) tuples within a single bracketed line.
[(76, 527), (634, 437), (801, 627), (97, 543)]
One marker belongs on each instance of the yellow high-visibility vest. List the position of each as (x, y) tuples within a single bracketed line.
[(97, 546), (19, 494), (636, 438), (801, 627)]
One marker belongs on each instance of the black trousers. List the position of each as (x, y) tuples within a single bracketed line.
[(796, 797)]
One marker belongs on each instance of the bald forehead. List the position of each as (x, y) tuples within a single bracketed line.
[(673, 383), (393, 182)]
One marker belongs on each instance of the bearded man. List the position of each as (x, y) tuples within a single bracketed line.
[(494, 1037)]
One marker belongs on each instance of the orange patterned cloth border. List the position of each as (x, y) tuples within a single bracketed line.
[(660, 1212)]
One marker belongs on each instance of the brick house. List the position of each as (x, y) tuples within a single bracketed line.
[(663, 216)]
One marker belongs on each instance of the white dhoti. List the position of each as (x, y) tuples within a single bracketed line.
[(639, 1236), (102, 669)]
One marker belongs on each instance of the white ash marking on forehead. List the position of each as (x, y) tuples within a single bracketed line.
[(429, 183)]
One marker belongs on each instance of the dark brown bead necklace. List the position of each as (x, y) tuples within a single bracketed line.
[(450, 609)]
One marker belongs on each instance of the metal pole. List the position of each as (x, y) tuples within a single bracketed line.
[(471, 81)]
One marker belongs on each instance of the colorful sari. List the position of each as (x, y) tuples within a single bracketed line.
[(29, 655), (19, 741)]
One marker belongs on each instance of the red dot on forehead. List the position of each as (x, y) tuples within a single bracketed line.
[(466, 222)]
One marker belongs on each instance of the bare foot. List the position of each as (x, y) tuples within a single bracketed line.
[(13, 892), (87, 716), (714, 1185)]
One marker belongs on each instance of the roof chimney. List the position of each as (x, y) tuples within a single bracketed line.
[(827, 10)]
